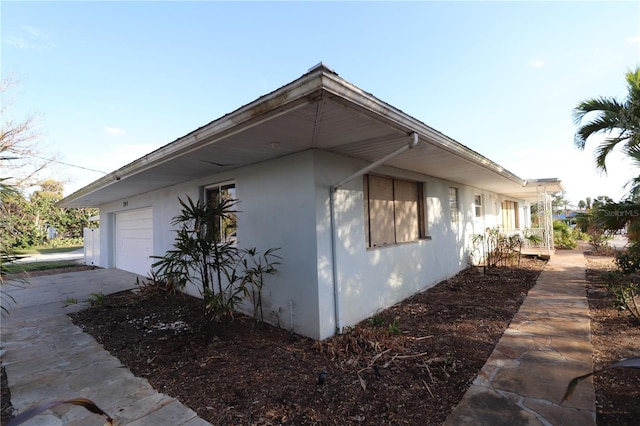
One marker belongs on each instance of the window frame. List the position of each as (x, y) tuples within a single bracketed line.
[(395, 206), (454, 204), (478, 209), (219, 188), (510, 214)]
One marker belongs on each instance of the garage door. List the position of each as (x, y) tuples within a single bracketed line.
[(134, 241)]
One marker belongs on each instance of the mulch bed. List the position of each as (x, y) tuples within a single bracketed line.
[(614, 336), (410, 364)]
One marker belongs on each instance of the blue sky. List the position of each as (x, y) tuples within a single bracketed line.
[(112, 81)]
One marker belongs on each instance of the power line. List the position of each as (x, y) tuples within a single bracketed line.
[(70, 165)]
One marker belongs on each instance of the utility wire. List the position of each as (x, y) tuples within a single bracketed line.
[(70, 165)]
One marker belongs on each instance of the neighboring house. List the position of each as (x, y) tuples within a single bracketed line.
[(367, 204)]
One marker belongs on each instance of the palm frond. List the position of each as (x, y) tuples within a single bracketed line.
[(611, 117), (605, 148)]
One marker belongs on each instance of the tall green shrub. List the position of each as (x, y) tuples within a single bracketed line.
[(205, 257), (563, 236)]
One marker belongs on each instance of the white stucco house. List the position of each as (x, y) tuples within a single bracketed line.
[(367, 204)]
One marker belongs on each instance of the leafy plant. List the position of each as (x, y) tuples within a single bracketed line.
[(533, 239), (629, 261), (394, 327), (627, 298), (626, 292), (70, 301), (154, 284), (9, 275), (200, 256), (495, 248), (206, 256), (376, 321), (563, 236), (256, 267), (97, 299), (633, 362)]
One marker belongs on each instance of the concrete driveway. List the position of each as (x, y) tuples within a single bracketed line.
[(47, 357), (48, 295)]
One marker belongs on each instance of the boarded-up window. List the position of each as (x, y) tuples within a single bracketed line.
[(510, 215), (393, 210)]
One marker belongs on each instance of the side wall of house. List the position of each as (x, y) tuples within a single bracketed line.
[(277, 210), (285, 203), (371, 279)]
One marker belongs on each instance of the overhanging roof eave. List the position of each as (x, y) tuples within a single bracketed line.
[(318, 83), (408, 124)]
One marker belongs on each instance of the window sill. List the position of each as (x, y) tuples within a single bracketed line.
[(427, 238)]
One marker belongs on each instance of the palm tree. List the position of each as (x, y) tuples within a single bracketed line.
[(620, 120), (634, 184)]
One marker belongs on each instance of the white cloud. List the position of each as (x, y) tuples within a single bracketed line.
[(114, 131), (16, 41), (30, 38), (536, 63), (635, 39)]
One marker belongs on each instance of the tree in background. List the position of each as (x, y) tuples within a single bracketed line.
[(601, 200), (24, 220), (560, 203), (618, 119), (21, 160), (634, 183)]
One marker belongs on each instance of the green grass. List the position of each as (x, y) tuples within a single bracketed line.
[(13, 268), (43, 250)]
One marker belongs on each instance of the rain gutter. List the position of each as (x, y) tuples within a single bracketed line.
[(334, 237)]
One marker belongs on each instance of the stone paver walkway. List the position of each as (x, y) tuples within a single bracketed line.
[(47, 357), (546, 345)]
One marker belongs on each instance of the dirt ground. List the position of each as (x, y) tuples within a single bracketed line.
[(614, 336), (410, 364)]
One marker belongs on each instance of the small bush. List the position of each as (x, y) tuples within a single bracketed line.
[(563, 236), (205, 255), (71, 301), (156, 285), (63, 242), (629, 261), (626, 292), (97, 299), (394, 327), (376, 321), (495, 248)]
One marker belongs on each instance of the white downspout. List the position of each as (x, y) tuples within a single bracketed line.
[(334, 236)]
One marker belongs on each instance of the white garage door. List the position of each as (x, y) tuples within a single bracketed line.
[(134, 241)]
